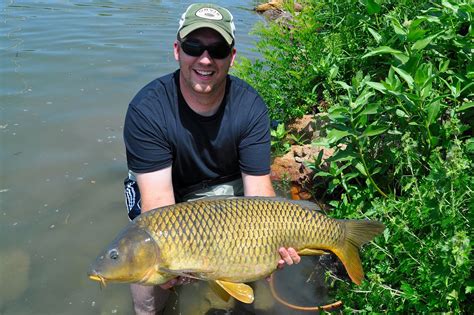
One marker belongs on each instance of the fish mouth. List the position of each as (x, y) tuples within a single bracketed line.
[(97, 277)]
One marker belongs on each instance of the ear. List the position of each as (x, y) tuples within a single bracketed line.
[(176, 49), (232, 58)]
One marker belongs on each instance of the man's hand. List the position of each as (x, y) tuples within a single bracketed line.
[(177, 281), (288, 256)]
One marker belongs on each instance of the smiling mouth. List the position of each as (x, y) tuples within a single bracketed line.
[(204, 73)]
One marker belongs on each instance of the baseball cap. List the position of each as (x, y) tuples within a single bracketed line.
[(199, 15)]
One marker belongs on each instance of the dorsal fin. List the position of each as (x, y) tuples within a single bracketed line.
[(302, 203)]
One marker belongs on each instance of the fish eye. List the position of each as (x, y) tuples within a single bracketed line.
[(113, 254)]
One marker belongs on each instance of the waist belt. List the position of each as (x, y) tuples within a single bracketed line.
[(207, 183)]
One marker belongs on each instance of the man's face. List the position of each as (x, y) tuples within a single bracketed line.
[(203, 74)]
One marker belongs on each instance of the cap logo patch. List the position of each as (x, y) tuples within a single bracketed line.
[(209, 13)]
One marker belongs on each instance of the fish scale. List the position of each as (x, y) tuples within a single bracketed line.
[(228, 241), (232, 234)]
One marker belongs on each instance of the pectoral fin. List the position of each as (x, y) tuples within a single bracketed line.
[(219, 291), (190, 273), (240, 291), (312, 252)]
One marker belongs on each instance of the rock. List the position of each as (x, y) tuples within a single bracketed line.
[(298, 7), (308, 127), (276, 5), (272, 5), (274, 11), (293, 166)]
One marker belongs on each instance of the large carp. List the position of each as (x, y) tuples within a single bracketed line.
[(228, 241)]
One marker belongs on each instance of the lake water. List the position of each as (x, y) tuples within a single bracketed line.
[(68, 71)]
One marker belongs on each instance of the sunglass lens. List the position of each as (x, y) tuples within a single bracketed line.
[(192, 48), (219, 50), (196, 49)]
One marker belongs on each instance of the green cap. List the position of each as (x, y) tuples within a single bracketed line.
[(201, 15)]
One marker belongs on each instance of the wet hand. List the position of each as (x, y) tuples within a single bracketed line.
[(288, 257), (177, 281)]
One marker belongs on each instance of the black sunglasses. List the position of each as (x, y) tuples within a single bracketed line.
[(195, 48)]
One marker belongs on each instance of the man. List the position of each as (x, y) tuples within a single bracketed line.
[(196, 132)]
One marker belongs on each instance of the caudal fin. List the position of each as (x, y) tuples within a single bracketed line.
[(358, 232)]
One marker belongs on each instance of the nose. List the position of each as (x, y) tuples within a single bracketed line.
[(205, 58)]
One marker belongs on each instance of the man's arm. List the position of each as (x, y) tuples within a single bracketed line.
[(261, 185), (258, 185), (156, 189)]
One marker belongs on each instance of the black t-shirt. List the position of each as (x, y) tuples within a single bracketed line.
[(162, 130)]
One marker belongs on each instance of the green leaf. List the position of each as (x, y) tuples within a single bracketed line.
[(400, 113), (339, 112), (422, 43), (402, 57), (407, 289), (370, 109), (344, 85), (363, 98), (382, 50), (470, 146), (465, 106), (448, 5), (405, 76), (361, 168), (433, 111), (342, 155), (321, 174), (415, 33), (333, 72), (319, 158), (374, 130), (375, 35), (335, 135), (443, 65), (373, 7), (378, 86), (397, 27)]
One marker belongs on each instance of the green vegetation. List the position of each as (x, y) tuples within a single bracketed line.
[(395, 79)]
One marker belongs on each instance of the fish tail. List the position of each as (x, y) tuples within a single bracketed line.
[(357, 233)]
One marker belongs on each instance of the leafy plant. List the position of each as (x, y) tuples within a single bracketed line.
[(396, 80), (301, 60), (279, 143), (423, 261)]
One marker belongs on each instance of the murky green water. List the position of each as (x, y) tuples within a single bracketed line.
[(68, 70)]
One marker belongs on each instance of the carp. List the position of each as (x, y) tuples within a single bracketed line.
[(228, 241)]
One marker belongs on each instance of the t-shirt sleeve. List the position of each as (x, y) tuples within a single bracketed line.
[(145, 141), (254, 147)]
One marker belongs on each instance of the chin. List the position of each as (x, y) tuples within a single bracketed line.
[(198, 88)]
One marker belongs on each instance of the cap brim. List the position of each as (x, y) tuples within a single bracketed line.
[(185, 31)]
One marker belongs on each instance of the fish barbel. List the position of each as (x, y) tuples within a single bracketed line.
[(228, 241)]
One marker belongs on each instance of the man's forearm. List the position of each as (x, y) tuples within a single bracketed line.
[(258, 185)]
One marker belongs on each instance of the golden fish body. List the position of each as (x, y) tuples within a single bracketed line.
[(228, 240)]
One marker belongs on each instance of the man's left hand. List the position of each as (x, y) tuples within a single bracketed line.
[(288, 256)]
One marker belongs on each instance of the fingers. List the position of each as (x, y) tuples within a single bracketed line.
[(288, 256), (169, 284), (177, 281), (294, 255)]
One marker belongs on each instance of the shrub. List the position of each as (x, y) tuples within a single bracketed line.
[(301, 59), (395, 78)]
